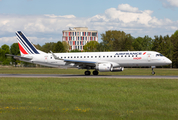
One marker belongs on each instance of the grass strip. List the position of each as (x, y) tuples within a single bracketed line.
[(127, 71), (88, 98)]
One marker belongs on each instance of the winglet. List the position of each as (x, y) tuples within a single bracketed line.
[(55, 57)]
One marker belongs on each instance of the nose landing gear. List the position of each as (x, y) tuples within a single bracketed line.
[(152, 70)]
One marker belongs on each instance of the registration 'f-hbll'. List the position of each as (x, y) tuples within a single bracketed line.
[(96, 61)]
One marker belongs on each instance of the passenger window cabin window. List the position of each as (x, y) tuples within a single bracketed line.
[(132, 55), (64, 57), (95, 56), (61, 57), (125, 55), (114, 56), (91, 56), (110, 56), (51, 57), (71, 56), (84, 56), (121, 55), (87, 56), (107, 56), (68, 57), (80, 56), (74, 56), (103, 56), (77, 56)]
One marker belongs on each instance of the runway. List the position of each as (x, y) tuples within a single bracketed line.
[(83, 76)]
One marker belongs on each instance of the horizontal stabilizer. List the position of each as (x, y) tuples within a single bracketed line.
[(20, 58)]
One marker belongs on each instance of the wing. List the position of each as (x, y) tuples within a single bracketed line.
[(76, 62), (84, 64), (81, 63)]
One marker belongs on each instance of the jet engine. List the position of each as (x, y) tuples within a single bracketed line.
[(108, 67), (105, 67)]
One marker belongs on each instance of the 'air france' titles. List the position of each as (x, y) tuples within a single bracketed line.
[(131, 53)]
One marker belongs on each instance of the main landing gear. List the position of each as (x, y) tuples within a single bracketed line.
[(152, 70), (89, 73), (95, 72)]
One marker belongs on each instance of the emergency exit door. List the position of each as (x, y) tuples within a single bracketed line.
[(149, 57)]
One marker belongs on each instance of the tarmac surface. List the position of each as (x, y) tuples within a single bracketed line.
[(84, 76)]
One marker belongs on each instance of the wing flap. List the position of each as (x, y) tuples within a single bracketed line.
[(78, 61)]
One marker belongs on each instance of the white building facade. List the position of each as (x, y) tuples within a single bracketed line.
[(77, 37)]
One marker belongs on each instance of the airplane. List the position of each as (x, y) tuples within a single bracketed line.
[(97, 61)]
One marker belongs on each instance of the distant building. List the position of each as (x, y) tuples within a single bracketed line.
[(77, 37)]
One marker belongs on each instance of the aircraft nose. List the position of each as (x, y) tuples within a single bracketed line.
[(168, 61)]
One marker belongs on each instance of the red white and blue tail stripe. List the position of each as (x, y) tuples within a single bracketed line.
[(25, 46)]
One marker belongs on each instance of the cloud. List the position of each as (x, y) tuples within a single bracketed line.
[(48, 28), (45, 27), (173, 3), (8, 40), (65, 16), (130, 17), (134, 21), (127, 8), (170, 3)]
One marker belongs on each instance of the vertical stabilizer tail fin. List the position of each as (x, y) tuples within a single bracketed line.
[(25, 46)]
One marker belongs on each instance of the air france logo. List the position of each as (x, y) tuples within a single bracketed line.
[(144, 53)]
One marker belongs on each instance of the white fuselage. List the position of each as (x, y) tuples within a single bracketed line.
[(118, 59)]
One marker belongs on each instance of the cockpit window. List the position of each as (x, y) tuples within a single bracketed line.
[(157, 55)]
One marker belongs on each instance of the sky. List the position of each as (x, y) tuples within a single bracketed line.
[(43, 21)]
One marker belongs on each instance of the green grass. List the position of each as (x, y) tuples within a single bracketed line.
[(88, 98), (127, 71)]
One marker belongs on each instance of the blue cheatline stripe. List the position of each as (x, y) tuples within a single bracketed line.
[(29, 44), (24, 43)]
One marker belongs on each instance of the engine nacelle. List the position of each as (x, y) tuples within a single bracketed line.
[(118, 69), (105, 67), (108, 67)]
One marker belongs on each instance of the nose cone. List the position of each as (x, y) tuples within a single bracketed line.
[(168, 61)]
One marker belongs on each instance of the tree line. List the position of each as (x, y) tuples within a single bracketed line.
[(112, 40)]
